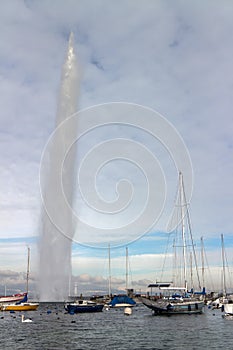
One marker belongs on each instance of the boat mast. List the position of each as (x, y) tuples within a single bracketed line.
[(202, 262), (28, 269), (126, 270), (109, 271), (223, 266), (182, 204), (174, 277), (191, 270)]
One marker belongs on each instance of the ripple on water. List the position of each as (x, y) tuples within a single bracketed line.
[(113, 330)]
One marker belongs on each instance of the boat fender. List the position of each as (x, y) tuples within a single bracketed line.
[(222, 308)]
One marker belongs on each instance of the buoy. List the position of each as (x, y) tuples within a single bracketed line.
[(128, 311)]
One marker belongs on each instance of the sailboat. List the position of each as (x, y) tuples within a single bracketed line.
[(13, 298), (177, 299), (21, 305), (123, 300), (226, 302)]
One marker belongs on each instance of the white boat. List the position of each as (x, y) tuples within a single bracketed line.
[(175, 299), (228, 308), (226, 301), (14, 298)]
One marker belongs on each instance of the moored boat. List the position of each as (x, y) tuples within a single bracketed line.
[(173, 299), (81, 306), (228, 308), (20, 307), (14, 298), (174, 306), (19, 302), (122, 301)]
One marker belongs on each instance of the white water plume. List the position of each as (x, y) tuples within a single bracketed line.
[(55, 248)]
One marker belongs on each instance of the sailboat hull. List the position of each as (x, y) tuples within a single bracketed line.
[(228, 308), (75, 308), (21, 297), (176, 307), (20, 307)]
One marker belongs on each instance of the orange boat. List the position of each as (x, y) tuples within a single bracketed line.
[(20, 307)]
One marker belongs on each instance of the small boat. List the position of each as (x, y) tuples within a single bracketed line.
[(81, 306), (14, 298), (20, 307), (122, 301)]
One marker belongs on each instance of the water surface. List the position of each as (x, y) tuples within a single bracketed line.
[(113, 330)]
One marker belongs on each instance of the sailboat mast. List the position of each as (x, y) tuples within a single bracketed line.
[(109, 271), (126, 270), (174, 263), (28, 269), (202, 262), (182, 204), (223, 266), (191, 270)]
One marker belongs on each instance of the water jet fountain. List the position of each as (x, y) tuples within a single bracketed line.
[(55, 248)]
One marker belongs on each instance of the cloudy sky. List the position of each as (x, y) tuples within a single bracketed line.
[(174, 57)]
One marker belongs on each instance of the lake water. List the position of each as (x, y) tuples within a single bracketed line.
[(113, 330)]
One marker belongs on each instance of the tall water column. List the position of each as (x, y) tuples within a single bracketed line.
[(55, 247)]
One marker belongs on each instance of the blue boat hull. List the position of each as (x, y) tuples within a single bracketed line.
[(74, 309)]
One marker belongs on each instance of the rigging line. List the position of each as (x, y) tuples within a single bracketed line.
[(130, 273), (174, 263), (194, 252), (183, 229), (227, 265), (208, 267), (176, 266), (162, 271), (191, 236), (223, 265)]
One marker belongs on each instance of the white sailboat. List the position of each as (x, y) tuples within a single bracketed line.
[(226, 302), (177, 299), (22, 305)]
